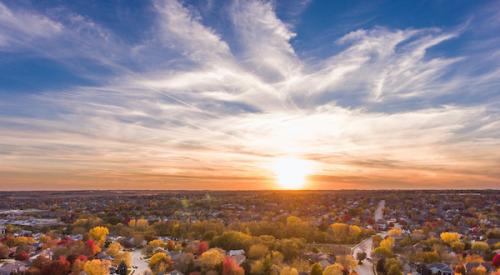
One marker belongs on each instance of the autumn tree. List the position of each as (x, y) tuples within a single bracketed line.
[(394, 232), (316, 269), (289, 271), (393, 267), (230, 267), (99, 234), (96, 267), (480, 246), (114, 249), (160, 263), (257, 251), (211, 258), (449, 237), (202, 247), (334, 269)]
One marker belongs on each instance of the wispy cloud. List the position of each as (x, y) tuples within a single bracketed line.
[(190, 108)]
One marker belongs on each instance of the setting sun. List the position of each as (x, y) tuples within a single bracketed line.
[(291, 173)]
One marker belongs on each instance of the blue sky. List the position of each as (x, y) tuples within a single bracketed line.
[(207, 94)]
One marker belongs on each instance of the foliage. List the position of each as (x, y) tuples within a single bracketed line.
[(96, 267), (211, 258), (202, 247), (257, 251), (160, 263), (480, 246), (316, 269), (230, 267), (393, 267), (231, 240), (289, 271), (99, 234), (361, 256), (334, 269), (394, 232), (449, 237)]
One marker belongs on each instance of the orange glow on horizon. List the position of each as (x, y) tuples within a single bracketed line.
[(291, 173)]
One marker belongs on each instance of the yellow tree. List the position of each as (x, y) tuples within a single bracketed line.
[(347, 261), (289, 271), (394, 232), (480, 246), (387, 243), (125, 257), (96, 267), (156, 243), (114, 249), (160, 263), (99, 234), (211, 258), (257, 251), (449, 237), (334, 269)]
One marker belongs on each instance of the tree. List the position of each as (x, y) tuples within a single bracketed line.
[(457, 246), (289, 271), (211, 258), (334, 269), (450, 237), (381, 265), (347, 261), (4, 251), (394, 232), (361, 256), (230, 267), (202, 247), (257, 251), (160, 263), (99, 234), (393, 267), (340, 231), (316, 269), (387, 243), (480, 246), (22, 256), (122, 268), (496, 261), (92, 248), (114, 249), (383, 252), (96, 267), (78, 264), (59, 267), (231, 240)]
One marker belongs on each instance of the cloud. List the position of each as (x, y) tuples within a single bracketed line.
[(18, 28), (375, 114)]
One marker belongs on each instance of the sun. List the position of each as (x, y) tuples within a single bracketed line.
[(291, 173)]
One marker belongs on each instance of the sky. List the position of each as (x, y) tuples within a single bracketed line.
[(208, 94)]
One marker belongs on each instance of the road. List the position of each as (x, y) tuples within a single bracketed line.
[(379, 212), (138, 260), (366, 245)]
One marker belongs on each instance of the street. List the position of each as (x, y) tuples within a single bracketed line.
[(366, 245), (138, 260)]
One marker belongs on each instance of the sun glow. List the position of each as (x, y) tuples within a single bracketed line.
[(291, 173)]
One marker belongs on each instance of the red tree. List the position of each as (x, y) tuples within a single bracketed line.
[(22, 256), (230, 267), (496, 261), (59, 267), (202, 247)]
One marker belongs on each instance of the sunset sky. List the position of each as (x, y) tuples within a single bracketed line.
[(215, 94)]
